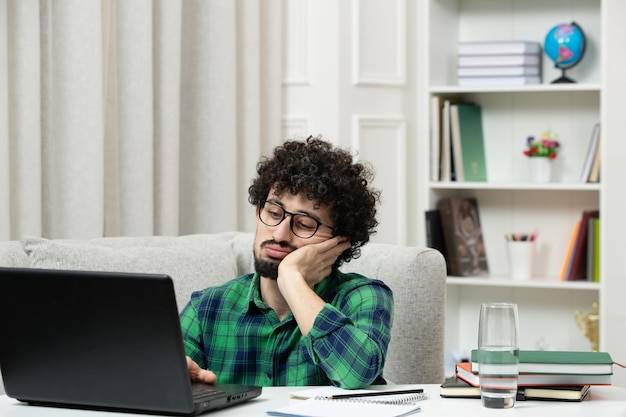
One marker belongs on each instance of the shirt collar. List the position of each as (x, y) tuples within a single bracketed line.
[(254, 294)]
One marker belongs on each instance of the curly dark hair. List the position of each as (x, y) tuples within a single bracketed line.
[(330, 177)]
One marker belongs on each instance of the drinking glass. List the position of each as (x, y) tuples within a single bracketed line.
[(498, 354)]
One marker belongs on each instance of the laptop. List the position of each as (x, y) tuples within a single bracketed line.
[(100, 340)]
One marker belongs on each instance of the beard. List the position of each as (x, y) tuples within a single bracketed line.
[(268, 268)]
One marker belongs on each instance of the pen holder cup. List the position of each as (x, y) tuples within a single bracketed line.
[(521, 259)]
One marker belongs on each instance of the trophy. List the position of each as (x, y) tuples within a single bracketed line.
[(589, 324)]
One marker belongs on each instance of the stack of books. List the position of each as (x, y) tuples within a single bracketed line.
[(499, 63), (546, 375)]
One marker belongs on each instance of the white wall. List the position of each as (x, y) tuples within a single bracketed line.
[(346, 77)]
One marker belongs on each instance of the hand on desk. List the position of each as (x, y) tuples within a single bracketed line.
[(198, 374)]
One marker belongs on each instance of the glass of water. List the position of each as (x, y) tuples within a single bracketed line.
[(498, 354)]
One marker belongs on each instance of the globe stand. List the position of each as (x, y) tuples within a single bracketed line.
[(563, 78)]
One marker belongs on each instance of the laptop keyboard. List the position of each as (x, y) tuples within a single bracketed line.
[(203, 392)]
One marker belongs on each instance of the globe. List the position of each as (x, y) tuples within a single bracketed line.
[(565, 46)]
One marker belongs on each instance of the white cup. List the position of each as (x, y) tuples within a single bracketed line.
[(521, 258)]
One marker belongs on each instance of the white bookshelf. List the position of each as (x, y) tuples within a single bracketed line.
[(509, 202)]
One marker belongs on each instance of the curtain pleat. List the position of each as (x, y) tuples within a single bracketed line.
[(24, 123), (127, 118), (5, 161), (135, 116), (209, 71), (73, 166), (167, 70)]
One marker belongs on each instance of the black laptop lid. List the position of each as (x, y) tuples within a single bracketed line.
[(93, 339)]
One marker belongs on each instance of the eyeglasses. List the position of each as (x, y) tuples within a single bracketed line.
[(302, 225)]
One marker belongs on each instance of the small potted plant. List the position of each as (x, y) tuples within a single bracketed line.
[(545, 146), (541, 152)]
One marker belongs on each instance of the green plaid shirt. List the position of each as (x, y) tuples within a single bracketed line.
[(229, 330)]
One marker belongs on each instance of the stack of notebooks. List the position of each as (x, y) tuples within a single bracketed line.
[(543, 375), (499, 63)]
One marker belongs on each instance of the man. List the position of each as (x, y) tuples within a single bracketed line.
[(298, 320)]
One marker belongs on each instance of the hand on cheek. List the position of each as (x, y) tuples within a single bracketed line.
[(313, 262)]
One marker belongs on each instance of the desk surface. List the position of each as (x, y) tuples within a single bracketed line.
[(601, 401)]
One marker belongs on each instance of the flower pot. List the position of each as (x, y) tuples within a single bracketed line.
[(540, 169)]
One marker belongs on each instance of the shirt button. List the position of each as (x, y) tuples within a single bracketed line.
[(269, 375)]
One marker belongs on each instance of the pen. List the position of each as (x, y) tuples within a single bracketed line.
[(375, 394)]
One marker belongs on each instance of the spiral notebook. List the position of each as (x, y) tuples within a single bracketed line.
[(318, 402)]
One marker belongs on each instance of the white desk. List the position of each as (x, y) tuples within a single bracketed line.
[(601, 401)]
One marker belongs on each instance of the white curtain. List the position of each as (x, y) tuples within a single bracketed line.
[(128, 118)]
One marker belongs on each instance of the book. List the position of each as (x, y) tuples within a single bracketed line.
[(455, 387), (559, 362), (554, 393), (464, 371), (465, 249), (434, 231), (318, 402), (578, 270), (445, 166), (594, 174), (596, 250), (514, 80), (498, 48), (591, 153), (570, 250), (467, 142), (498, 71), (591, 243), (455, 143), (436, 104), (499, 60)]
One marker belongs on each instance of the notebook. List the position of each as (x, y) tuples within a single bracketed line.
[(100, 340), (333, 402)]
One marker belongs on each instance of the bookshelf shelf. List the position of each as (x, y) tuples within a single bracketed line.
[(540, 88), (498, 186), (537, 283)]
